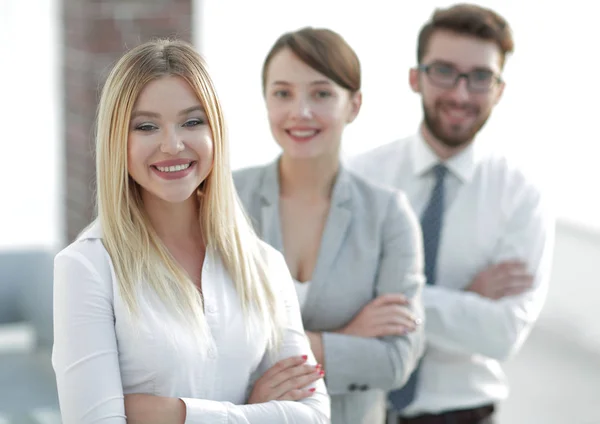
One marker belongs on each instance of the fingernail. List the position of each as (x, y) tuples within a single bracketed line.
[(321, 373), (318, 366), (312, 390), (305, 357)]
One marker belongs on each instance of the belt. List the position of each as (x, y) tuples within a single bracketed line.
[(462, 416)]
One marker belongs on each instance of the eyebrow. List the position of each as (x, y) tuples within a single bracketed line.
[(318, 82), (138, 113), (475, 68)]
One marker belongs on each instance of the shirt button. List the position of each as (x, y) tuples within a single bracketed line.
[(211, 353), (352, 387), (211, 309)]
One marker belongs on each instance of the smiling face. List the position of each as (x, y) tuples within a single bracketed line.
[(307, 111), (454, 115), (170, 146)]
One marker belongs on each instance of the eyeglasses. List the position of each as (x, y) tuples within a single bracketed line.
[(447, 76)]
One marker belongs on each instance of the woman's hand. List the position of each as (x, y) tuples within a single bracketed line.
[(286, 380), (149, 409), (386, 315)]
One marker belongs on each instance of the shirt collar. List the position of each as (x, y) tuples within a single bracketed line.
[(424, 159)]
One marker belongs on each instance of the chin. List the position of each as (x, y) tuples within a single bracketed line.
[(302, 152), (174, 196)]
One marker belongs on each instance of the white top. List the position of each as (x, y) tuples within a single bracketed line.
[(99, 354), (493, 213), (301, 291)]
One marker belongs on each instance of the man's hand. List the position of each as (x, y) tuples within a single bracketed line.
[(386, 315), (286, 380), (149, 409), (508, 278)]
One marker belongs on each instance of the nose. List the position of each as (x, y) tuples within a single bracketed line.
[(460, 92), (172, 142), (302, 109)]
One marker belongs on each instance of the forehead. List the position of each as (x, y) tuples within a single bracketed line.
[(167, 92), (285, 66), (463, 51)]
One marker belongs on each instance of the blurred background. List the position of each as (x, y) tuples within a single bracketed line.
[(57, 53)]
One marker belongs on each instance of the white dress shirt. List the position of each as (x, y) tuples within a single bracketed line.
[(493, 213), (100, 353)]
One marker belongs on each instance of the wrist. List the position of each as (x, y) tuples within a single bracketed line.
[(179, 410), (342, 330)]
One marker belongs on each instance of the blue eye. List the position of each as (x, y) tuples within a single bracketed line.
[(482, 75), (194, 122), (443, 70)]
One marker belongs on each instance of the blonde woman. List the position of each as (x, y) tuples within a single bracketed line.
[(168, 307)]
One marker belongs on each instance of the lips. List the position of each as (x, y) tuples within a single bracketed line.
[(458, 114), (173, 162), (302, 135), (173, 169)]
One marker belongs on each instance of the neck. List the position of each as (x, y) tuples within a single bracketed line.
[(441, 150), (174, 222), (308, 178)]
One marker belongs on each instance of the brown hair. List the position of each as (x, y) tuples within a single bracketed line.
[(471, 20), (323, 50)]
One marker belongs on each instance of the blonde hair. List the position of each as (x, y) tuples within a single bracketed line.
[(136, 251)]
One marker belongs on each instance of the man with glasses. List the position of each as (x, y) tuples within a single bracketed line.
[(487, 233)]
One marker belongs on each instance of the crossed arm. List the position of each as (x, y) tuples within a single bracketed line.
[(86, 363)]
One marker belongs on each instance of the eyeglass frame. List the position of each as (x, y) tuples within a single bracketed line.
[(496, 79)]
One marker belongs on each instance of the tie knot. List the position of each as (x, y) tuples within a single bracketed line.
[(439, 171)]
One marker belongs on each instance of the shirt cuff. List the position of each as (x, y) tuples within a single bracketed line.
[(201, 411)]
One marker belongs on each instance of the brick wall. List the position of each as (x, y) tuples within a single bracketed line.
[(95, 35)]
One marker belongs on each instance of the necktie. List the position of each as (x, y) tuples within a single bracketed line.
[(431, 225)]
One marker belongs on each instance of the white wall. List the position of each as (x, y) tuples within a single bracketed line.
[(30, 122), (571, 310)]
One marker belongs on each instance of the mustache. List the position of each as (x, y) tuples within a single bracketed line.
[(467, 107)]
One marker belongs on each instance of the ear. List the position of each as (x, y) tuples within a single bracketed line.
[(414, 80), (355, 104)]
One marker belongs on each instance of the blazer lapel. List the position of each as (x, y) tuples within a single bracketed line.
[(269, 213), (336, 227)]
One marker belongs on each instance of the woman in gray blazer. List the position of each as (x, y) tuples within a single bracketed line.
[(354, 249)]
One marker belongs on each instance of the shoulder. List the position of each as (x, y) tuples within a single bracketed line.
[(248, 179), (379, 155), (86, 257), (511, 177), (383, 163), (372, 197), (271, 257)]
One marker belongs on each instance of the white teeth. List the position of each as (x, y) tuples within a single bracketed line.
[(303, 133), (173, 168)]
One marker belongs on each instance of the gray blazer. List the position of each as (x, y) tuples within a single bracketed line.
[(371, 245)]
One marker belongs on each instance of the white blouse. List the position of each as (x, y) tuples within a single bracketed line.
[(100, 353)]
